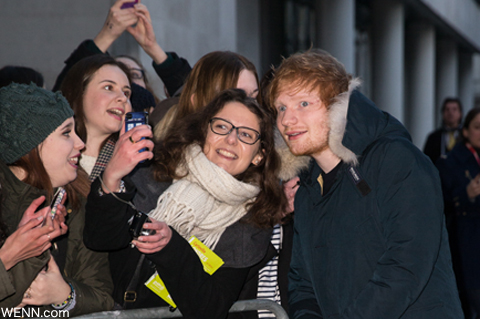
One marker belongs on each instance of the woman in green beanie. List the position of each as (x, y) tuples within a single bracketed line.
[(39, 152)]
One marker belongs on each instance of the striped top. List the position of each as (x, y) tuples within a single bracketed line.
[(268, 276)]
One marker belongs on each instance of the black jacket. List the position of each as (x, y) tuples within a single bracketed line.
[(435, 144), (197, 294)]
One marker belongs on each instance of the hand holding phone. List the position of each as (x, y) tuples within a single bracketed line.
[(58, 198), (134, 119)]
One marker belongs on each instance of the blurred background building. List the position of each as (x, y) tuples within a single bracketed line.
[(410, 54)]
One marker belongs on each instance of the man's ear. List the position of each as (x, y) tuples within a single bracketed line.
[(258, 158)]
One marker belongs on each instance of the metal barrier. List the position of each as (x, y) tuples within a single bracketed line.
[(164, 312)]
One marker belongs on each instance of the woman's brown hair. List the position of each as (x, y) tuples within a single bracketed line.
[(213, 73), (75, 83), (268, 206), (37, 176)]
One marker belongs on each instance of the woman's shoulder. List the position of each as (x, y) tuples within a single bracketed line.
[(243, 244)]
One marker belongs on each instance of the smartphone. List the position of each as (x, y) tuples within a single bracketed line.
[(57, 199), (133, 119), (128, 4)]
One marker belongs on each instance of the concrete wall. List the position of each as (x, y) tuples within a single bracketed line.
[(42, 34), (461, 15)]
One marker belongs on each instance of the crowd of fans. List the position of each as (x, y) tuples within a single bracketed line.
[(210, 170)]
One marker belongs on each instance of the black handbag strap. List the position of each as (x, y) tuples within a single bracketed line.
[(130, 295)]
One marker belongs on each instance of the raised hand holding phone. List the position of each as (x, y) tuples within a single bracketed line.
[(129, 4), (127, 155), (134, 119)]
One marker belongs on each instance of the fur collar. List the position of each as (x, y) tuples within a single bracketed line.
[(338, 122), (291, 165)]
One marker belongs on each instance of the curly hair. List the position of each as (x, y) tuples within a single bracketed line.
[(268, 206)]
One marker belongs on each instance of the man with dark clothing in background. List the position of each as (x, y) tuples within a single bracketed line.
[(442, 141)]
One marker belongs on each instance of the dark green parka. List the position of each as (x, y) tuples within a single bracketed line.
[(86, 270)]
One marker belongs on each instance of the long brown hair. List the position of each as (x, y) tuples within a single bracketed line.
[(213, 73), (75, 83), (268, 206), (36, 176)]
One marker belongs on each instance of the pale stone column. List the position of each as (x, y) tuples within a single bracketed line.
[(420, 81), (336, 30), (465, 81), (388, 56), (447, 73)]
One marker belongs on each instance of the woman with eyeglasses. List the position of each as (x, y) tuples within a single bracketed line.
[(222, 165)]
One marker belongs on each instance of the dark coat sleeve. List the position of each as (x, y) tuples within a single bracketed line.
[(106, 219), (196, 293), (85, 49), (302, 300), (173, 72), (16, 280)]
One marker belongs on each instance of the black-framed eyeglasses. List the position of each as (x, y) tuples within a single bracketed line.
[(137, 74), (245, 134)]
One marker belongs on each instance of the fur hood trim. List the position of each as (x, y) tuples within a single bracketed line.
[(291, 165), (338, 122)]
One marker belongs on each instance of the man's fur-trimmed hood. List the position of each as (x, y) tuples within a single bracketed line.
[(291, 165), (338, 122), (355, 122)]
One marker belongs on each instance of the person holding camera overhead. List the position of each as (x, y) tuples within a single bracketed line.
[(39, 152), (223, 165)]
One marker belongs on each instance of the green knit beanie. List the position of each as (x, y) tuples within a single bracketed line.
[(28, 114)]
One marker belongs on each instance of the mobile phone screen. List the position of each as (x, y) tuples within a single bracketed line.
[(133, 119)]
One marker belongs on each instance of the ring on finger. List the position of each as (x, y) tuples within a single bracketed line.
[(131, 139), (27, 294)]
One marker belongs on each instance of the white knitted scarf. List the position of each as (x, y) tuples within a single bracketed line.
[(205, 202)]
